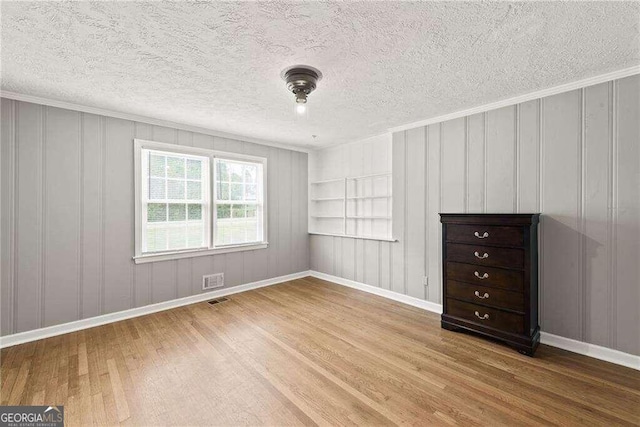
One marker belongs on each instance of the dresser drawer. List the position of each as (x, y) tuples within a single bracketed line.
[(485, 255), (485, 316), (485, 234), (483, 295), (485, 276)]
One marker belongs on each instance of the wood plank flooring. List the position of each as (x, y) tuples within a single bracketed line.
[(309, 352)]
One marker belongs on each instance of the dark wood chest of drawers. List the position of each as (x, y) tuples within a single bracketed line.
[(490, 276)]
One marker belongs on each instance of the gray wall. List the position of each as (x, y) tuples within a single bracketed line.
[(574, 157), (68, 222)]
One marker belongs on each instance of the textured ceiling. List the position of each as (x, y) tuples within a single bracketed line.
[(217, 65)]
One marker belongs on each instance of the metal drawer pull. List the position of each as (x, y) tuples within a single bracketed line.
[(484, 236), (486, 295), (483, 317), (486, 255), (484, 276)]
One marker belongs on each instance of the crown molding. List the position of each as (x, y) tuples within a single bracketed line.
[(385, 134), (144, 119), (567, 87)]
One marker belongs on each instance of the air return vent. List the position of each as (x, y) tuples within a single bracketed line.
[(213, 281), (217, 301)]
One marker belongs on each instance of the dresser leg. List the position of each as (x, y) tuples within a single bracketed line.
[(526, 352)]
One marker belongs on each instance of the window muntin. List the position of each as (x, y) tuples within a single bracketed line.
[(175, 201), (238, 202), (179, 193)]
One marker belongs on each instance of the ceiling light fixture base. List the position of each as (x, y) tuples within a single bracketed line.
[(301, 81)]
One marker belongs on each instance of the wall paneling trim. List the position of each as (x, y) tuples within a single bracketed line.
[(574, 157), (67, 218)]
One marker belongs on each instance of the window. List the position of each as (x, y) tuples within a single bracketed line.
[(238, 201), (192, 201)]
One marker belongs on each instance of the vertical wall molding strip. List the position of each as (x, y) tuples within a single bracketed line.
[(615, 212), (541, 276), (441, 153), (581, 217), (80, 235), (516, 160), (45, 222), (485, 137), (465, 178), (13, 239), (610, 201), (40, 207), (538, 153), (426, 212), (405, 233), (102, 219)]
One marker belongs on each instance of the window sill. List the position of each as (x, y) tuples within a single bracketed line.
[(166, 256)]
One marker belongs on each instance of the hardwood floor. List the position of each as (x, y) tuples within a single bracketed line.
[(309, 352)]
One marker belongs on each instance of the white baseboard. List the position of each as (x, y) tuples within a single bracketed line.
[(416, 302), (580, 347), (65, 328), (591, 350)]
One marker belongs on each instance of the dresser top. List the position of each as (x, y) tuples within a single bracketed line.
[(490, 218)]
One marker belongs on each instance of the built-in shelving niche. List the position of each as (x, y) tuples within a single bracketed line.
[(358, 206)]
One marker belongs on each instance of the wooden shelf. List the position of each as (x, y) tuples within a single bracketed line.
[(368, 197), (374, 225), (327, 199), (327, 181), (350, 236)]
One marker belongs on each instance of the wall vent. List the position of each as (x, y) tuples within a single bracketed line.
[(212, 281)]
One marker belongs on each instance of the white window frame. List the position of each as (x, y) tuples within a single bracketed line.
[(140, 208)]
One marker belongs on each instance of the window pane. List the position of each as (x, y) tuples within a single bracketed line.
[(235, 170), (177, 237), (175, 167), (237, 211), (178, 225), (156, 212), (194, 169), (223, 191), (250, 192), (223, 171), (195, 235), (156, 239), (177, 212), (224, 211), (250, 174), (236, 231), (237, 222), (194, 192), (175, 190), (156, 165), (195, 212), (236, 192), (156, 188)]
